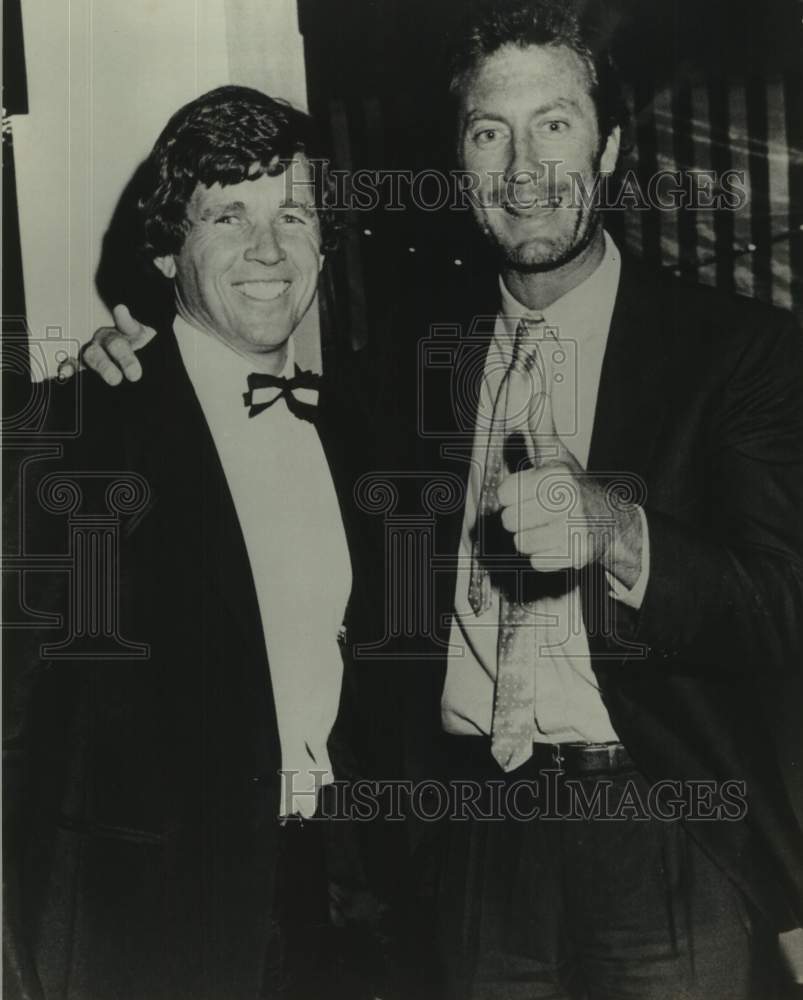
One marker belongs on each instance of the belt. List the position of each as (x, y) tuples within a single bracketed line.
[(582, 758), (470, 757)]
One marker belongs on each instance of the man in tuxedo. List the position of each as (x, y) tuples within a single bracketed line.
[(616, 602), (162, 750)]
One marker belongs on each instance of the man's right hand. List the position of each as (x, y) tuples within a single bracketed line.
[(110, 353)]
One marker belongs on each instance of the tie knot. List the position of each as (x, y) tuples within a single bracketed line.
[(530, 332), (535, 328)]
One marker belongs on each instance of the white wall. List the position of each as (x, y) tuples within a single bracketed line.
[(265, 48), (103, 77)]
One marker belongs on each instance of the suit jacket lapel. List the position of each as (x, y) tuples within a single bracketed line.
[(633, 385), (632, 404)]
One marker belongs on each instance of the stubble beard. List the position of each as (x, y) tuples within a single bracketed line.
[(544, 254), (547, 254)]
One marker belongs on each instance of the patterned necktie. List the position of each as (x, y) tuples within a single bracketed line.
[(299, 392), (480, 592), (513, 725)]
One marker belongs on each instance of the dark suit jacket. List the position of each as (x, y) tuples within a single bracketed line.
[(142, 793), (701, 406)]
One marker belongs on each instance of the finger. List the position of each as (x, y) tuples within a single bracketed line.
[(120, 350), (530, 513), (67, 369), (95, 357), (521, 487), (514, 488), (548, 540), (131, 327), (558, 546), (551, 563), (124, 321)]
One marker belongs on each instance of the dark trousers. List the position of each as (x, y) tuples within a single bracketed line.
[(327, 935), (563, 906)]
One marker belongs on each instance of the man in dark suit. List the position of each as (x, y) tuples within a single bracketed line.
[(623, 615), (616, 583), (162, 746)]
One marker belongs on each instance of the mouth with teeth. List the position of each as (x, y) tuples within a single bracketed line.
[(262, 291), (528, 208)]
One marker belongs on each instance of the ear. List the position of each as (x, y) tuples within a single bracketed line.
[(610, 153), (167, 265), (321, 261)]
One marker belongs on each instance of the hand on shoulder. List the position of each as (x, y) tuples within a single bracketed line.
[(112, 351)]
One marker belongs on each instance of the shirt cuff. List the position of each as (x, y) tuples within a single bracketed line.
[(634, 597)]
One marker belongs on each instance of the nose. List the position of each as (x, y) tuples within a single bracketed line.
[(265, 248), (523, 168)]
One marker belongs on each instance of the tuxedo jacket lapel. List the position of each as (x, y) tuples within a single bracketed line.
[(186, 438), (175, 450)]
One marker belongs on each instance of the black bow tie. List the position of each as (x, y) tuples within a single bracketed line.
[(299, 392)]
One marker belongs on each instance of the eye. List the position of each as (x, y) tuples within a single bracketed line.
[(292, 218), (228, 219), (556, 126), (487, 136)]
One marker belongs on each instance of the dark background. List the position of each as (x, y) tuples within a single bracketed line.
[(377, 79)]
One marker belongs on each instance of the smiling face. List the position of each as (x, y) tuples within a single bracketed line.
[(248, 269), (527, 119)]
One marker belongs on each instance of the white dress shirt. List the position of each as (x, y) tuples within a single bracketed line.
[(568, 705), (291, 522)]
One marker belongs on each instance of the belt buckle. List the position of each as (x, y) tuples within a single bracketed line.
[(557, 757)]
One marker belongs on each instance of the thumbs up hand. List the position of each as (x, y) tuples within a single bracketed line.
[(559, 515)]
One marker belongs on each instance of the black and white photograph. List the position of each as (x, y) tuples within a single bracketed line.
[(402, 500)]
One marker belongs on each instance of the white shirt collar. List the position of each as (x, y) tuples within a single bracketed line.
[(584, 310), (217, 371)]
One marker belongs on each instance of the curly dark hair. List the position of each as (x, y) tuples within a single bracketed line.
[(580, 26), (217, 138)]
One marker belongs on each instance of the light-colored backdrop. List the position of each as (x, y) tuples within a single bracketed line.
[(103, 78)]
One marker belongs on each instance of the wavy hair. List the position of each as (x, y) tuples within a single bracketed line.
[(226, 136), (579, 26)]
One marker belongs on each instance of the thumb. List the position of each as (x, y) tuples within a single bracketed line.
[(545, 445), (138, 334)]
